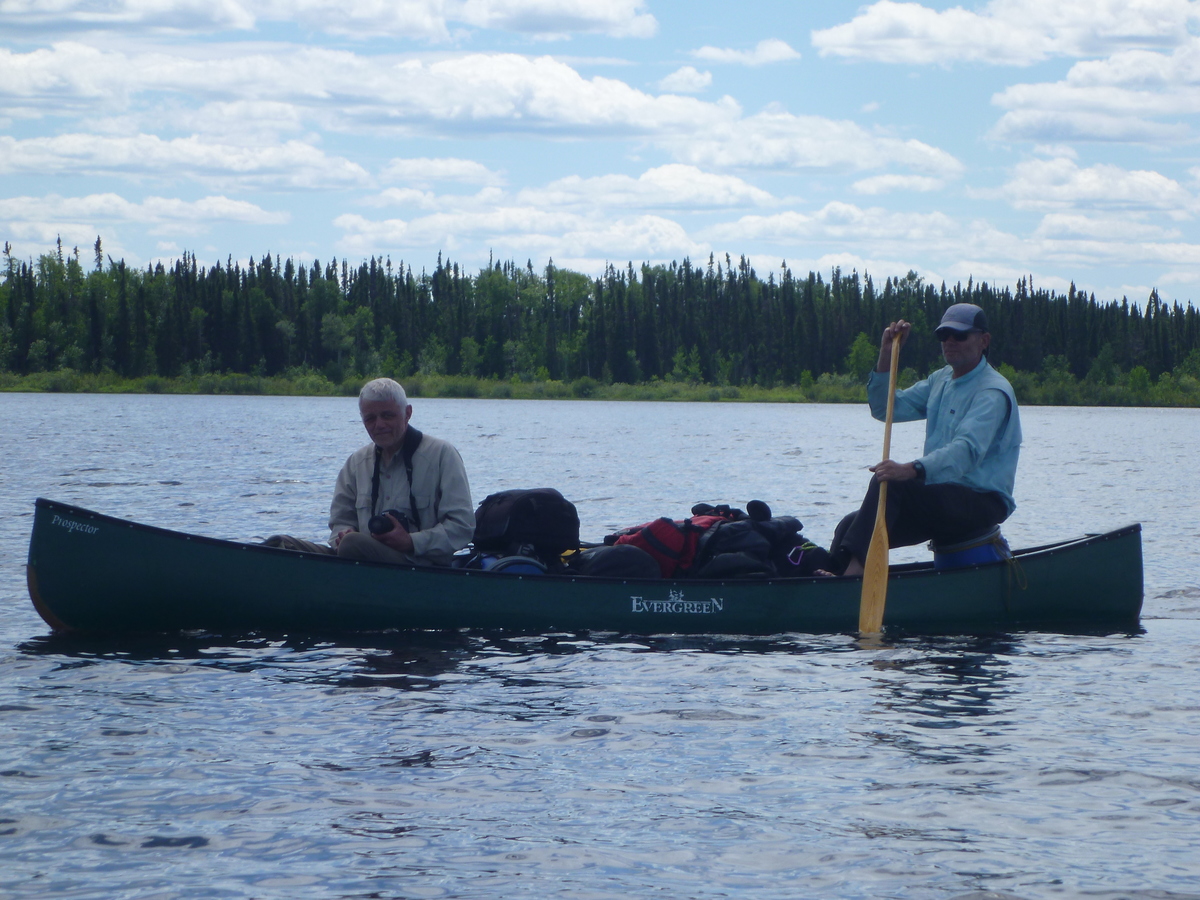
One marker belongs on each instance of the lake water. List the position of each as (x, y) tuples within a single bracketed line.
[(543, 766)]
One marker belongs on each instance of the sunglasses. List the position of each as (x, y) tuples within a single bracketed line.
[(949, 334)]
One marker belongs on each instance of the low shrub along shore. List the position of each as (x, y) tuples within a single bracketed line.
[(1054, 387)]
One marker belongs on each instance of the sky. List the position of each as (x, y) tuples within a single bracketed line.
[(991, 140)]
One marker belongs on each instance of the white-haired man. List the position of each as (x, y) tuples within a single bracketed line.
[(401, 470)]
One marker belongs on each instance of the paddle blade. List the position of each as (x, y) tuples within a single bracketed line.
[(875, 573)]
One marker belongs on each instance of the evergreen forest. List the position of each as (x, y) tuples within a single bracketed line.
[(719, 324)]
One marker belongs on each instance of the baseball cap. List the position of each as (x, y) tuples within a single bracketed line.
[(963, 317)]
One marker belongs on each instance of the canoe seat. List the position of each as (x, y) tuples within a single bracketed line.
[(983, 548)]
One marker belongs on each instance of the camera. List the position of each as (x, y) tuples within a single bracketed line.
[(382, 524)]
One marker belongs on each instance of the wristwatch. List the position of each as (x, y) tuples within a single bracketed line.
[(920, 467)]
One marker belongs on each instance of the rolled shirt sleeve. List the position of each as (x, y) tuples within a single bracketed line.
[(911, 404)]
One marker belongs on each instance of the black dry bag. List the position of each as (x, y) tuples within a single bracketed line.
[(538, 517)]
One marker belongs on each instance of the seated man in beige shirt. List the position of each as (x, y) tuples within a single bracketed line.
[(404, 470)]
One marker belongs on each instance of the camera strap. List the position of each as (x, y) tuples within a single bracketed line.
[(412, 440)]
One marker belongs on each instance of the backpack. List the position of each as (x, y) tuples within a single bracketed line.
[(736, 564), (671, 543), (741, 547), (773, 546), (510, 523)]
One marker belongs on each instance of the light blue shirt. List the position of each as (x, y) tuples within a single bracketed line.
[(972, 427)]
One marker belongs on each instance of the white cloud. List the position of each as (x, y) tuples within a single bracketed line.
[(677, 186), (884, 184), (502, 92), (771, 50), (1061, 184), (998, 273), (686, 80), (1056, 150), (651, 238), (430, 20), (616, 18), (839, 221), (800, 266), (450, 230), (174, 15), (290, 165), (525, 231), (559, 220), (1108, 227), (962, 248), (780, 140), (115, 208), (1046, 125), (32, 237), (407, 197), (240, 121), (1085, 251), (422, 199), (1179, 276), (517, 94), (1005, 32), (67, 77), (1115, 99), (77, 220), (884, 240), (425, 171), (911, 33), (473, 93)]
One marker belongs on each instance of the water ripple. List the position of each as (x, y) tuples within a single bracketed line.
[(543, 766)]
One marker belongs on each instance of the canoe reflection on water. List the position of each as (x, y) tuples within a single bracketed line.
[(936, 680)]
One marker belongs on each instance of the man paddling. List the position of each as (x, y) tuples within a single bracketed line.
[(962, 486), (400, 471)]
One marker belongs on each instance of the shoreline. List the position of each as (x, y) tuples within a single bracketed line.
[(1031, 390), (829, 389)]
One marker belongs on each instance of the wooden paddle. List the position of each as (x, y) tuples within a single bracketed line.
[(875, 568)]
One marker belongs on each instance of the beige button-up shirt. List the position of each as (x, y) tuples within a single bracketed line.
[(445, 513)]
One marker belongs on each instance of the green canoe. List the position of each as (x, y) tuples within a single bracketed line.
[(94, 573)]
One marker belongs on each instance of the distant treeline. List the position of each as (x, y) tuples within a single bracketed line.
[(718, 323)]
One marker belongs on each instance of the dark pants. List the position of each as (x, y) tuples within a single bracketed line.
[(918, 512)]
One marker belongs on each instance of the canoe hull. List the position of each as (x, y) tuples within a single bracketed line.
[(94, 573)]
